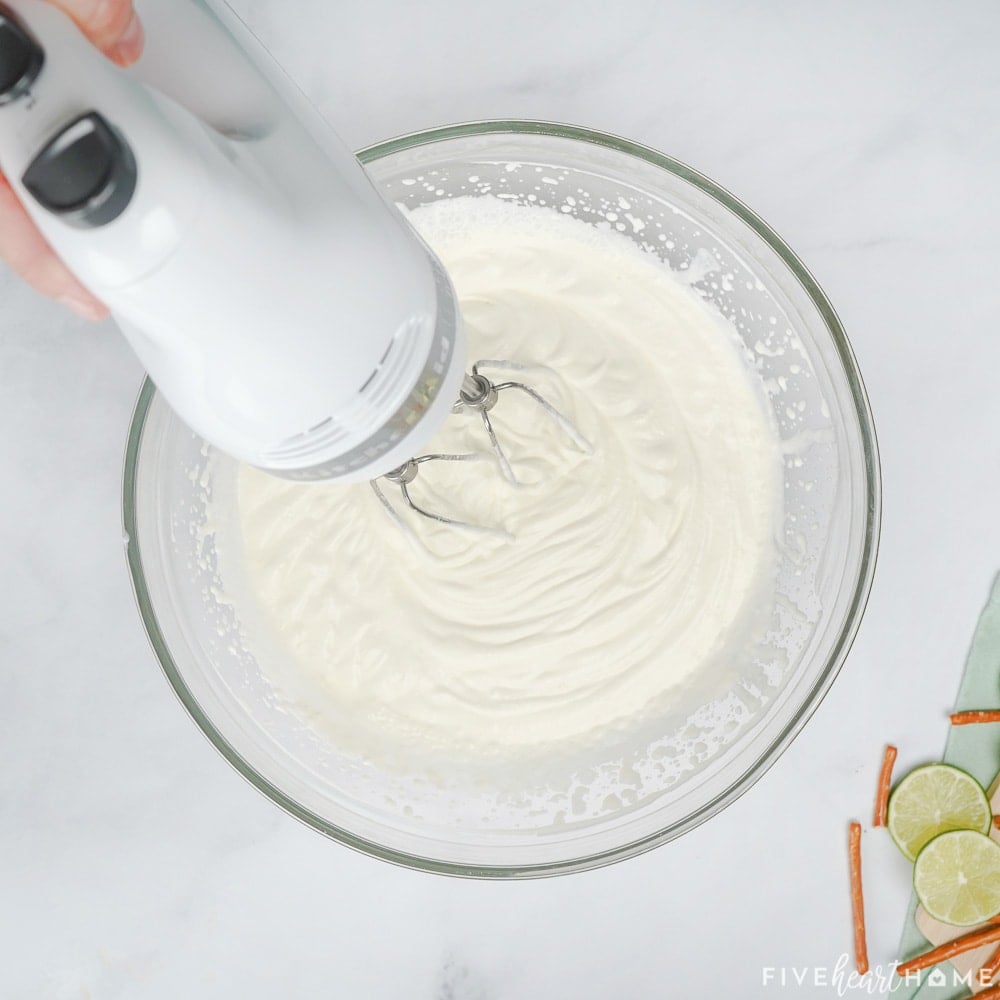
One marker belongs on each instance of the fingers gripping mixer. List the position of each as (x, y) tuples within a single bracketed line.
[(285, 310)]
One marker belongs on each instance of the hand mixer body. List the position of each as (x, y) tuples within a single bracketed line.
[(286, 312)]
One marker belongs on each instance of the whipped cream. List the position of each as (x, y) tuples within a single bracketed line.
[(638, 574)]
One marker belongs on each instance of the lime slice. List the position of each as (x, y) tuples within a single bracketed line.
[(957, 878), (932, 800)]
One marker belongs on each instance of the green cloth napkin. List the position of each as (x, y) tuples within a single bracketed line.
[(975, 749)]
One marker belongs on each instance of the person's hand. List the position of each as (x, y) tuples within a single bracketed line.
[(114, 28)]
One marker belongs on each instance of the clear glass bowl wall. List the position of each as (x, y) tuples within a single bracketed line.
[(676, 772)]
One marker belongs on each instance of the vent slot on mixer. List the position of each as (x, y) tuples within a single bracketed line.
[(365, 410)]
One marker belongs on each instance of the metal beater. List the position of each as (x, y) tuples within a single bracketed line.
[(478, 395)]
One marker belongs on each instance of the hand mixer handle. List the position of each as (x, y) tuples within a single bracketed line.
[(221, 81), (74, 130), (287, 312)]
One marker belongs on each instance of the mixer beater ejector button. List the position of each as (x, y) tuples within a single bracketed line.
[(86, 173)]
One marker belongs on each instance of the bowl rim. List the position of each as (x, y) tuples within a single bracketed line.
[(805, 710)]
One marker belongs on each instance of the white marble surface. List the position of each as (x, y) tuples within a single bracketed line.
[(134, 864)]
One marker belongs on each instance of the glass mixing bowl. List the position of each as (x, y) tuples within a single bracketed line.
[(681, 770)]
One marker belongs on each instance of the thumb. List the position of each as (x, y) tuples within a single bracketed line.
[(112, 25)]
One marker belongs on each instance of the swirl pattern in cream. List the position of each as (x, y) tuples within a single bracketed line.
[(634, 573)]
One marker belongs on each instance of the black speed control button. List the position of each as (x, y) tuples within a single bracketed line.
[(86, 174), (21, 58)]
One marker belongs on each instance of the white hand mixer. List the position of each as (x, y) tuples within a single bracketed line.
[(287, 312)]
